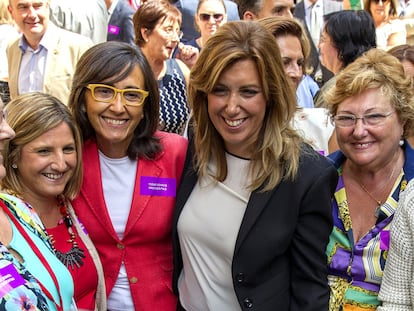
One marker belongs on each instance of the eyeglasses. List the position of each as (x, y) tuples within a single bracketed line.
[(171, 33), (106, 93), (349, 120), (382, 1), (218, 17)]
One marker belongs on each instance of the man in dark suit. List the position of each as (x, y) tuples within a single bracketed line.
[(303, 12), (120, 26)]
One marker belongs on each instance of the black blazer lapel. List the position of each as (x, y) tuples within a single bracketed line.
[(257, 202)]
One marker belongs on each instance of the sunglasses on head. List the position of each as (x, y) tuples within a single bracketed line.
[(218, 17)]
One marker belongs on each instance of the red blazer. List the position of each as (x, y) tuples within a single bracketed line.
[(146, 248)]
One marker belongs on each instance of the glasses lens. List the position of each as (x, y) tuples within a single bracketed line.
[(174, 35), (205, 17), (375, 119), (134, 96), (344, 120), (103, 93), (218, 17)]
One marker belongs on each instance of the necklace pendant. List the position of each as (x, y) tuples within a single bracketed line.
[(68, 221), (73, 258)]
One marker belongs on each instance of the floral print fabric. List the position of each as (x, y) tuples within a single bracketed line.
[(19, 290)]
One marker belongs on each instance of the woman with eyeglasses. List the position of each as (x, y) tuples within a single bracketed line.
[(390, 30), (372, 108), (157, 32), (44, 171), (346, 35), (131, 172), (210, 15)]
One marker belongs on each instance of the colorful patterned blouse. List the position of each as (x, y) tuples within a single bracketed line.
[(356, 267), (19, 290)]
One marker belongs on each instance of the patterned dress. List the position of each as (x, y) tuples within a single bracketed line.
[(356, 267), (174, 110), (24, 292), (29, 285)]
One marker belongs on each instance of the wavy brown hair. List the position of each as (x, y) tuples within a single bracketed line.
[(150, 14), (276, 152), (281, 26)]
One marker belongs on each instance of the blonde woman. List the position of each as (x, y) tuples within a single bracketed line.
[(390, 30), (253, 213), (210, 15)]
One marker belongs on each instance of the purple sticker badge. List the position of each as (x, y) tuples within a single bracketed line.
[(157, 186), (9, 279), (112, 29), (384, 240)]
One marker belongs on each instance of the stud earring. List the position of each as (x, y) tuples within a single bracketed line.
[(14, 166)]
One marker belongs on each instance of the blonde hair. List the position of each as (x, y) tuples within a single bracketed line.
[(278, 146), (376, 69), (30, 116)]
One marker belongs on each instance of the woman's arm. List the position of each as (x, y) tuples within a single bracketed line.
[(309, 271)]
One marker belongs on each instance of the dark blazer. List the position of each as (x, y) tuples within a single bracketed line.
[(329, 6), (120, 26), (279, 260)]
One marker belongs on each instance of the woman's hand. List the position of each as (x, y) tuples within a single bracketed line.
[(188, 54)]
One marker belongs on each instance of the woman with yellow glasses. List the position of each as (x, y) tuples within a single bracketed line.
[(131, 171)]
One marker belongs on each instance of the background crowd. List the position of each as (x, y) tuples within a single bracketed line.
[(206, 155)]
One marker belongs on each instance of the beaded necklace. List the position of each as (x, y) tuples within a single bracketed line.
[(42, 258), (74, 257)]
